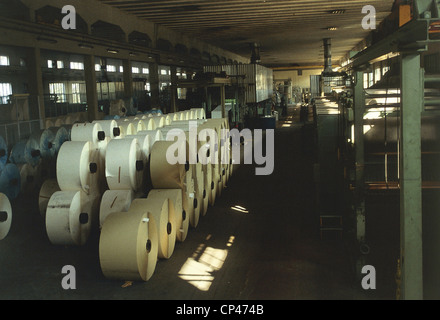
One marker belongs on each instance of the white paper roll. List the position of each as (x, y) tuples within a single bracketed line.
[(165, 222), (159, 121), (115, 201), (75, 166), (111, 128), (182, 220), (68, 218), (5, 216), (190, 200), (128, 246), (150, 124), (92, 132), (145, 143), (30, 178), (156, 135), (48, 188), (127, 128), (124, 165)]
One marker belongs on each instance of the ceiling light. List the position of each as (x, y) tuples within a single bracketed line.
[(114, 51), (337, 11), (85, 46), (332, 28)]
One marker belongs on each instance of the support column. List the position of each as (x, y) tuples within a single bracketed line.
[(411, 256), (359, 112), (128, 78), (154, 84), (174, 96), (223, 100), (36, 88), (92, 94)]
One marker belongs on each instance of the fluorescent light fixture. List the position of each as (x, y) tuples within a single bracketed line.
[(114, 51), (85, 46)]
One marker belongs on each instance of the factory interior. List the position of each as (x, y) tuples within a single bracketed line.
[(306, 138)]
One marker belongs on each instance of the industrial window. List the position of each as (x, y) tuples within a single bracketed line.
[(77, 66), (59, 90), (377, 74), (147, 86), (5, 92), (4, 61), (76, 93), (50, 64), (385, 70), (163, 72), (135, 70), (366, 81), (121, 69), (370, 79), (111, 68), (97, 67), (432, 63), (145, 70), (181, 93), (60, 64)]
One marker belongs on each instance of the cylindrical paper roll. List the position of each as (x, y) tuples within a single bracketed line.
[(68, 220), (124, 165), (115, 201), (139, 125), (74, 166), (30, 177), (111, 128), (127, 128), (3, 152), (128, 246), (18, 153), (190, 201), (5, 216), (207, 175), (155, 135), (145, 144), (165, 222), (168, 119), (199, 113), (182, 220), (59, 122), (10, 181), (48, 188), (150, 124), (60, 136), (87, 132), (199, 180), (32, 152), (159, 121), (163, 174)]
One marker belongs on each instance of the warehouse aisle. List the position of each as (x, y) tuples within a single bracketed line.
[(258, 242)]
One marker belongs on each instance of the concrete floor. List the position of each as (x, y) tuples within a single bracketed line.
[(271, 253)]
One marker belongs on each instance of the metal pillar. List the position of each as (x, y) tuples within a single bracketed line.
[(359, 206), (36, 88), (154, 85), (412, 95), (174, 96), (128, 78), (91, 91)]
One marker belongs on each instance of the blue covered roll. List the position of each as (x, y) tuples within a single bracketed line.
[(45, 139), (32, 152), (3, 153), (10, 181), (61, 135), (112, 117), (18, 153)]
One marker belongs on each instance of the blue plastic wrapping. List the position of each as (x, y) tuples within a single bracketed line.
[(10, 181), (61, 135), (3, 153), (32, 152), (18, 153)]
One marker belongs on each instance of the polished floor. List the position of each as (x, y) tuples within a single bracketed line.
[(270, 249)]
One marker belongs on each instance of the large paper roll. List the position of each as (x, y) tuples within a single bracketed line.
[(3, 152), (150, 124), (201, 194), (48, 188), (190, 201), (128, 246), (182, 219), (117, 108), (139, 125), (199, 113), (18, 153), (32, 152), (209, 185), (30, 178), (163, 174), (10, 181), (114, 201), (75, 166), (155, 135), (124, 165), (68, 218), (145, 144), (5, 216), (165, 222), (87, 132), (61, 135), (110, 127), (127, 128), (159, 121)]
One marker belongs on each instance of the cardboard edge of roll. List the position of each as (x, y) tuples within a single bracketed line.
[(165, 222), (182, 219), (128, 246)]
